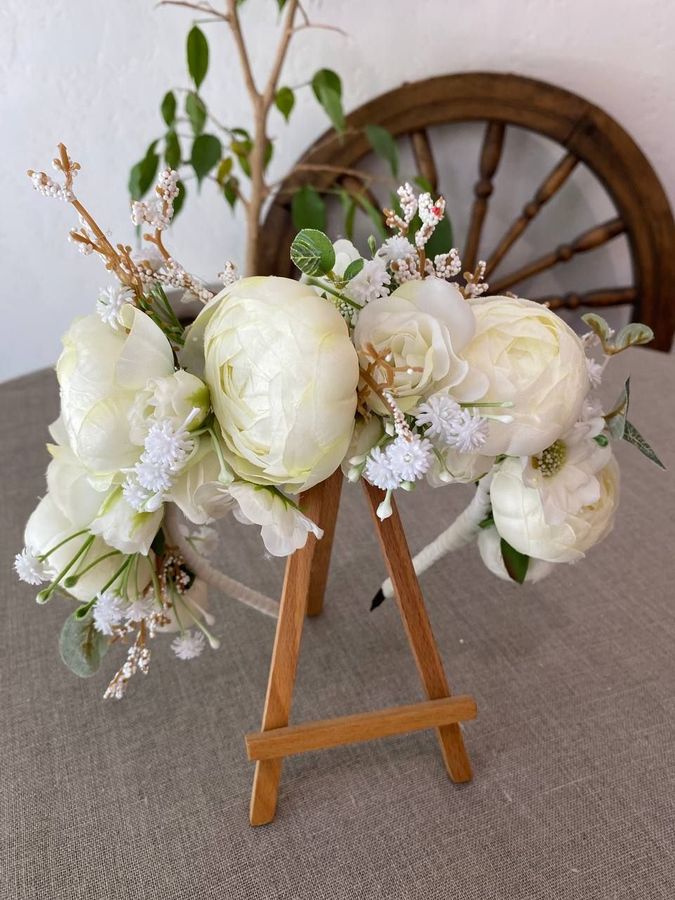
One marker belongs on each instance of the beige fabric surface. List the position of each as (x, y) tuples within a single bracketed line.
[(573, 748)]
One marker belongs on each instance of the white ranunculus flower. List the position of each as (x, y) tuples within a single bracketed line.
[(534, 360), (284, 528), (100, 372), (282, 373), (520, 516), (423, 328), (489, 546), (171, 397)]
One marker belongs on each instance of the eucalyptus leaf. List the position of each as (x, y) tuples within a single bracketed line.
[(516, 562), (172, 153), (197, 54), (353, 269), (285, 101), (308, 209), (81, 646), (383, 143), (633, 436), (312, 252), (598, 325), (635, 333), (168, 108), (206, 151), (195, 111), (143, 173)]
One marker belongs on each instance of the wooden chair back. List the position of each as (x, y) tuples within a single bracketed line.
[(585, 134)]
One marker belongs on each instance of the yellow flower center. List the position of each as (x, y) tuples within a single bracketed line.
[(551, 460)]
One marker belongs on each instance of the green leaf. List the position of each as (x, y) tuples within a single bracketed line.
[(327, 89), (383, 143), (224, 170), (206, 151), (441, 240), (372, 212), (633, 436), (180, 199), (635, 333), (197, 54), (516, 562), (616, 419), (601, 440), (285, 101), (172, 154), (143, 173), (312, 252), (168, 108), (196, 112), (81, 646), (598, 325), (231, 190), (308, 209), (422, 183), (353, 269)]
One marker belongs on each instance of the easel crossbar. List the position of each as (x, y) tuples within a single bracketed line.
[(324, 733)]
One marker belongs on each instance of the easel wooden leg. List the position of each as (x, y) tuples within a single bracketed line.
[(418, 628), (283, 667), (329, 500)]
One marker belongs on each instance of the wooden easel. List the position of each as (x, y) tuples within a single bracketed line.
[(303, 591)]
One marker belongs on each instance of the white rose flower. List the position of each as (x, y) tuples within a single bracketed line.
[(282, 373), (520, 516), (284, 528), (534, 360), (100, 372), (170, 397), (422, 328), (489, 546)]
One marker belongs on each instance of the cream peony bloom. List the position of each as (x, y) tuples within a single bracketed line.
[(282, 373), (284, 528), (489, 547), (100, 373), (423, 327), (520, 515), (534, 360)]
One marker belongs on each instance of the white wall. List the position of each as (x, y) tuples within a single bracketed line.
[(92, 73)]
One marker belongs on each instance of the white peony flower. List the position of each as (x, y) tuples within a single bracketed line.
[(520, 515), (284, 528), (282, 373), (534, 360), (489, 546), (100, 373), (169, 398), (422, 328)]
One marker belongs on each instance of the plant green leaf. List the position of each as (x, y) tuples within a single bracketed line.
[(383, 143), (168, 108), (633, 436), (616, 419), (224, 170), (441, 240), (598, 325), (308, 209), (353, 269), (516, 562), (635, 333), (197, 54), (143, 173), (195, 111), (172, 154), (231, 190), (372, 212), (327, 89), (285, 101), (180, 199), (81, 646), (312, 252), (206, 151)]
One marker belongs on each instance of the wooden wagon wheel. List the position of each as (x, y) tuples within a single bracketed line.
[(586, 134)]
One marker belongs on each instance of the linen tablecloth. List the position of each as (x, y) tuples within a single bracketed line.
[(573, 750)]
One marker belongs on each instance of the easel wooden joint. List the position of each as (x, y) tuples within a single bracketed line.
[(302, 594)]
